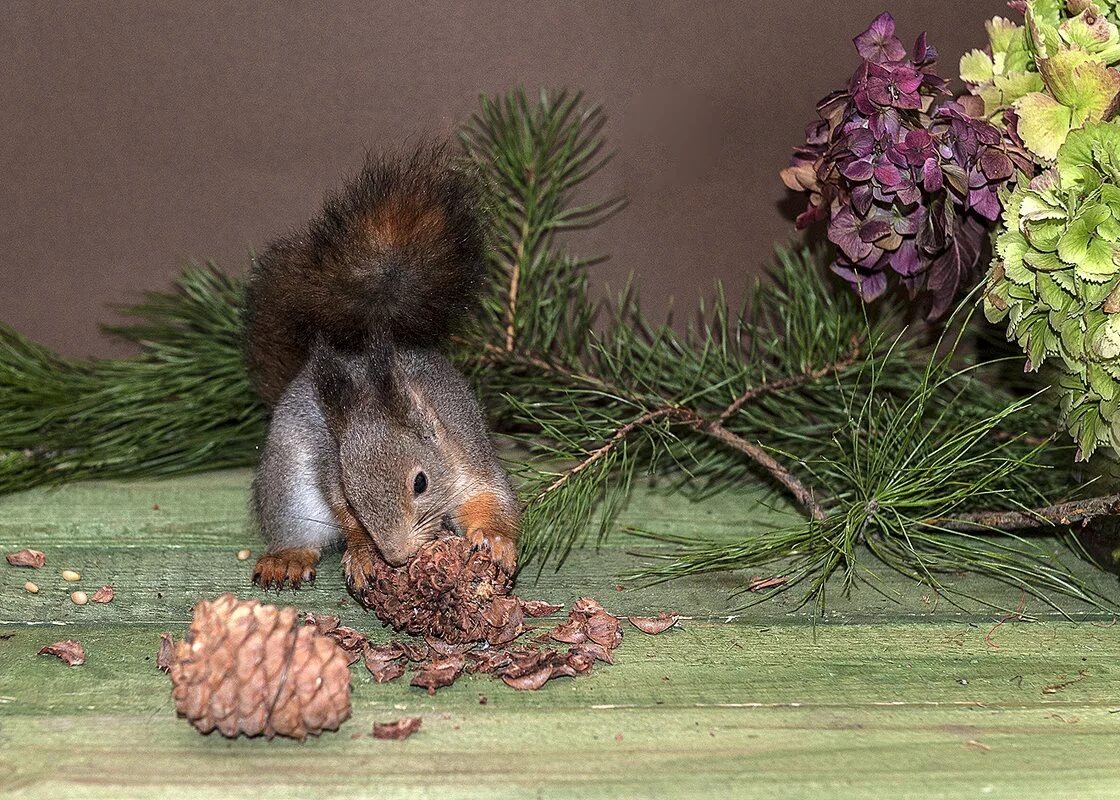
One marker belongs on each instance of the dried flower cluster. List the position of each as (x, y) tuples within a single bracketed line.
[(906, 179), (1052, 75), (1053, 82)]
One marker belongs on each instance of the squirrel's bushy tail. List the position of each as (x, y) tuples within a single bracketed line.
[(396, 258)]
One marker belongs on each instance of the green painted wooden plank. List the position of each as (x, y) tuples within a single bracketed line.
[(908, 710), (157, 584), (203, 511), (758, 708), (163, 560)]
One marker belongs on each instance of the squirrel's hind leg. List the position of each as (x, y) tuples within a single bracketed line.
[(294, 565), (289, 503)]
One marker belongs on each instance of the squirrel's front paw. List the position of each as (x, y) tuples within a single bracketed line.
[(294, 566), (503, 550), (357, 565), (488, 525)]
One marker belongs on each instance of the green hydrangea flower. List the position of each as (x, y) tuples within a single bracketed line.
[(1007, 72), (1055, 279), (1056, 72)]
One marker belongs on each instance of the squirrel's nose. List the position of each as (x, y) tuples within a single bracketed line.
[(396, 553)]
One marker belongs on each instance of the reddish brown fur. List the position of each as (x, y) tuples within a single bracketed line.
[(404, 222), (396, 257), (357, 561), (295, 565), (487, 524)]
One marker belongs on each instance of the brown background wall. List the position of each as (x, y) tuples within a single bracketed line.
[(137, 135)]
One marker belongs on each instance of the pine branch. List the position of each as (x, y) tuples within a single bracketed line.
[(791, 382), (804, 496), (183, 405), (716, 429), (534, 159)]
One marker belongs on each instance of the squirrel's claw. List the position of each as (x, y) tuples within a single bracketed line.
[(489, 525), (293, 566), (357, 565), (503, 550)]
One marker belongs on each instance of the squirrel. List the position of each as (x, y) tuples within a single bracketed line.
[(375, 440)]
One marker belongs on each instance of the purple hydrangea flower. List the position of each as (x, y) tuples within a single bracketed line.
[(878, 43), (906, 179)]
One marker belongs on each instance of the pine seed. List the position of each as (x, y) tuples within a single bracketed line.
[(71, 575), (79, 598), (33, 588), (243, 555)]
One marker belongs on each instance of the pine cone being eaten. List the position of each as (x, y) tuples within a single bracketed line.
[(447, 592), (250, 668)]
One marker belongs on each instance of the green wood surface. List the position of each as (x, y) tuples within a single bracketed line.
[(891, 698)]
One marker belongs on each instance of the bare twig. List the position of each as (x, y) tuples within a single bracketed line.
[(687, 416), (793, 381), (600, 452), (515, 283), (800, 492), (1077, 511)]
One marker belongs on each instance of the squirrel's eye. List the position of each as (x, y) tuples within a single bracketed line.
[(419, 483)]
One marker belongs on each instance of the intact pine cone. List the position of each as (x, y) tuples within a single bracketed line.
[(250, 668), (448, 592)]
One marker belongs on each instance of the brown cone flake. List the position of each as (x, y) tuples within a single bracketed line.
[(68, 650), (384, 652), (27, 558), (570, 632), (539, 608), (324, 623), (103, 595), (401, 729), (248, 668), (416, 651), (385, 671), (654, 625), (166, 652), (596, 651), (488, 660), (439, 672), (348, 639), (531, 669)]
